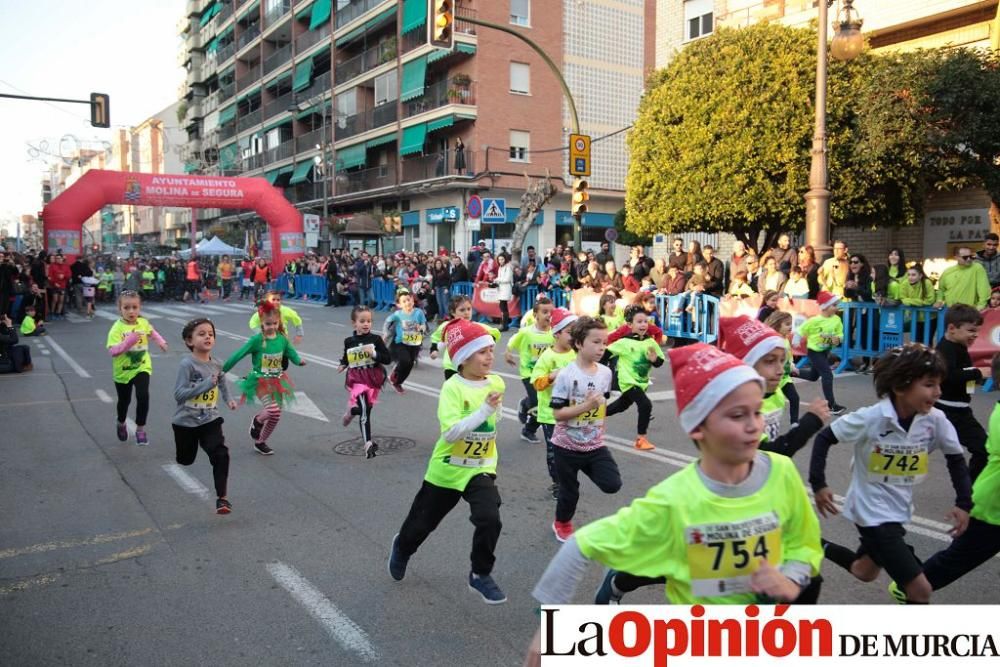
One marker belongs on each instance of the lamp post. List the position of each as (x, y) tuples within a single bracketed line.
[(847, 44), (322, 162)]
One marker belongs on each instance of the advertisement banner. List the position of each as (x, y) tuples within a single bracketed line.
[(292, 243), (485, 302), (63, 240)]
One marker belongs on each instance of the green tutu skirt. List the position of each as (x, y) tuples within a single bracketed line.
[(277, 388)]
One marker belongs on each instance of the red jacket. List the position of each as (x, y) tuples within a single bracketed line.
[(59, 275), (655, 332)]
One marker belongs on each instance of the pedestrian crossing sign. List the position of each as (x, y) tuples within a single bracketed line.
[(494, 210)]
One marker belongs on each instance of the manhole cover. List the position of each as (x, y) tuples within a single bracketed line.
[(387, 444)]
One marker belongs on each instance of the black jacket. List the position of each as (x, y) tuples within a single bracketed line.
[(382, 355)]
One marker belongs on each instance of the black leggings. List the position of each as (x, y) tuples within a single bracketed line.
[(209, 437), (504, 315), (792, 394), (405, 356), (363, 409), (624, 402), (597, 464), (141, 384)]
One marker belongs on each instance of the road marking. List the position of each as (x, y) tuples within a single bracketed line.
[(303, 405), (103, 395), (69, 544), (74, 318), (186, 481), (667, 395), (135, 552), (28, 583), (7, 405), (45, 351), (68, 359), (337, 624)]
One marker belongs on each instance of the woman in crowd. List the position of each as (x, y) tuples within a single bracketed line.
[(810, 269), (896, 263), (694, 256)]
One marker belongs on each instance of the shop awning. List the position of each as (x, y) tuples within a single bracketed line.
[(351, 156), (414, 15), (320, 14), (440, 123), (209, 13), (228, 114), (413, 139), (381, 141), (301, 173), (303, 75), (411, 219), (414, 79)]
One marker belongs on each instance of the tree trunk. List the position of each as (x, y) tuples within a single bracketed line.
[(537, 194)]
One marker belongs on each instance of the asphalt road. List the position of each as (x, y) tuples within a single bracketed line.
[(111, 554)]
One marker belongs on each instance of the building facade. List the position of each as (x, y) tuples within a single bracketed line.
[(344, 105)]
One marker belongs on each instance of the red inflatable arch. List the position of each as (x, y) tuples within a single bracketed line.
[(64, 216)]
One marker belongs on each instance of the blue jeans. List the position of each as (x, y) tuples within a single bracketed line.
[(441, 294), (819, 368), (366, 296)]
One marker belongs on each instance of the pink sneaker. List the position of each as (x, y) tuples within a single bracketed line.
[(563, 530)]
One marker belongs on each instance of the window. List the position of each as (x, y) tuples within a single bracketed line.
[(347, 103), (697, 19), (520, 12), (519, 145), (386, 88), (520, 78)]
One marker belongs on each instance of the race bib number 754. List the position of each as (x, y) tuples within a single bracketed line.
[(723, 556)]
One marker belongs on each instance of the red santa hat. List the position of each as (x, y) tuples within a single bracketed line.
[(703, 376), (826, 299), (747, 339), (562, 318), (465, 338)]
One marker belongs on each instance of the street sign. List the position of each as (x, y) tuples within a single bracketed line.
[(611, 235), (494, 210), (474, 208), (579, 155)]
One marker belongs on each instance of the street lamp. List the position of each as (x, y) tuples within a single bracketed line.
[(847, 44), (322, 162)]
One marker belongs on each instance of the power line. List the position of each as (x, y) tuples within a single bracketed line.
[(566, 148)]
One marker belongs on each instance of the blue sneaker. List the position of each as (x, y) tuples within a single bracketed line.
[(607, 593), (397, 561), (487, 588)]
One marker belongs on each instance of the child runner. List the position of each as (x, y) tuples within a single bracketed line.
[(891, 441), (410, 325), (962, 324), (459, 307), (733, 527), (128, 343), (636, 354), (196, 422), (823, 332), (530, 342), (29, 326), (464, 462), (782, 322), (981, 540), (290, 320), (89, 290), (609, 312), (266, 381), (578, 402), (364, 356), (543, 377)]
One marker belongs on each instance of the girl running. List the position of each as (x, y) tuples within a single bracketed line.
[(196, 421), (782, 322), (459, 307), (410, 325), (609, 312), (364, 356), (128, 344), (266, 381)]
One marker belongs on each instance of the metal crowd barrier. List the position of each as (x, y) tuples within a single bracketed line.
[(700, 323), (870, 330)]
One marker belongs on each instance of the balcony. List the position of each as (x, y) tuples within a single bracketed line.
[(277, 106), (350, 182), (362, 62), (226, 52), (311, 38), (464, 26), (250, 34), (227, 131), (279, 152), (436, 95), (224, 13), (304, 192), (249, 77), (349, 12), (252, 162), (226, 91), (307, 142), (320, 84), (249, 120), (436, 165), (274, 14), (278, 58), (211, 103), (412, 40), (365, 121)]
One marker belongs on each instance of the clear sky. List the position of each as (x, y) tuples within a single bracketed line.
[(68, 48)]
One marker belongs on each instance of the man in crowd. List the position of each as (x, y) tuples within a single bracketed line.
[(833, 272), (782, 253), (604, 256), (715, 272), (363, 280), (529, 256), (990, 258), (966, 282), (677, 256), (739, 262)]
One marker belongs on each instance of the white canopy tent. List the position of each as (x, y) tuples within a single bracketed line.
[(213, 247)]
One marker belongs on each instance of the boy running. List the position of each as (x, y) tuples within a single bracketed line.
[(410, 325), (637, 353), (530, 342)]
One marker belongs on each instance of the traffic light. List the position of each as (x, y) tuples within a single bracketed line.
[(100, 110), (580, 196), (442, 24)]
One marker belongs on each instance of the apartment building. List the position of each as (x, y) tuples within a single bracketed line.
[(888, 25), (343, 103)]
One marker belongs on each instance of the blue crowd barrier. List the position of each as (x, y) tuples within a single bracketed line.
[(310, 287), (384, 292), (701, 323)]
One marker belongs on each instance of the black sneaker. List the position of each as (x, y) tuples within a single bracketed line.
[(262, 448), (223, 506), (397, 561), (255, 428), (522, 411), (487, 588), (370, 449), (837, 410)]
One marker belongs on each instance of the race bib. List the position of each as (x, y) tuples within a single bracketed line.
[(412, 338), (476, 450), (723, 556), (141, 345), (593, 417), (270, 364), (205, 401), (772, 425), (898, 464), (361, 356), (537, 349)]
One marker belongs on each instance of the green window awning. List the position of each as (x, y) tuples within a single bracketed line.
[(414, 15), (351, 36), (317, 109), (247, 93), (278, 79), (227, 115), (301, 173), (209, 13), (252, 8), (271, 176), (440, 123), (320, 14), (304, 14), (275, 124), (371, 25), (413, 139), (190, 167), (276, 175), (225, 33), (303, 75), (228, 156), (212, 46), (381, 141), (350, 157), (462, 47), (414, 79), (440, 54)]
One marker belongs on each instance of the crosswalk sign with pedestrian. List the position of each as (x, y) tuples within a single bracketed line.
[(494, 210)]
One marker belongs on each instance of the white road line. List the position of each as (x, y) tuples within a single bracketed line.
[(303, 405), (68, 359), (337, 624), (74, 318), (45, 352), (103, 395), (108, 316), (186, 481), (667, 395)]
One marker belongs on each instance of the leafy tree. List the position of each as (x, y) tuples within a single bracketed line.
[(724, 135), (626, 237)]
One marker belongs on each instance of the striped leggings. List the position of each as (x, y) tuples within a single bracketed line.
[(269, 416)]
